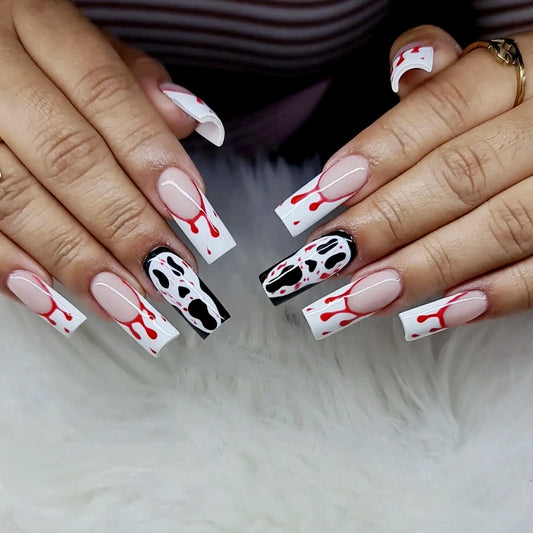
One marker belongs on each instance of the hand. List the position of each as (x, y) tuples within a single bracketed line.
[(91, 172), (438, 199)]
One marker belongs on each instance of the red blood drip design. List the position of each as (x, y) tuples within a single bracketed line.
[(152, 334), (202, 212), (439, 315), (313, 206), (346, 310), (54, 306), (200, 101)]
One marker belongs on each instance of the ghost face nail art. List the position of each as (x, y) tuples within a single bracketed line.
[(193, 213), (177, 282), (313, 263), (323, 194), (45, 301), (420, 57)]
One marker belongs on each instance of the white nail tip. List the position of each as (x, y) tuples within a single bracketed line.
[(420, 57), (442, 314), (46, 302), (210, 126)]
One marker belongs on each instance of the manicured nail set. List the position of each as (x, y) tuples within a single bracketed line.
[(313, 263)]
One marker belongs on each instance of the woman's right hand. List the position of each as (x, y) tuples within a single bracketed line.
[(91, 169)]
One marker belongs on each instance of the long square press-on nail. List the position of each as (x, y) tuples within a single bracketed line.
[(181, 287), (194, 214), (323, 194)]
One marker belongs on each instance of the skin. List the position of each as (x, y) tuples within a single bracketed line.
[(86, 137), (447, 202)]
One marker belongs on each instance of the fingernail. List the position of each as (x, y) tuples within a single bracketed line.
[(181, 287), (323, 194), (353, 302), (210, 126), (442, 314), (412, 57), (315, 262), (194, 214), (38, 296), (132, 312)]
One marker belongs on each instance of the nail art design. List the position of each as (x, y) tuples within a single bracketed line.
[(38, 296), (417, 57), (194, 214), (315, 262), (132, 312), (323, 194), (442, 314), (177, 282), (210, 126), (353, 302)]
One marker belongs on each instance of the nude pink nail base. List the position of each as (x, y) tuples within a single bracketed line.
[(45, 301), (352, 303), (420, 57), (193, 213), (210, 126), (323, 194), (132, 312), (442, 314)]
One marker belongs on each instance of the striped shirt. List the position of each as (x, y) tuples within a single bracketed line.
[(264, 65)]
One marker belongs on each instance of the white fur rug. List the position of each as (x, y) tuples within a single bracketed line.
[(260, 428)]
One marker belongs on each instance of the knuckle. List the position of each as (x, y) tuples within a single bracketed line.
[(523, 281), (400, 136), (390, 210), (64, 249), (14, 197), (461, 171), (510, 226), (139, 138), (440, 263), (69, 155), (125, 221), (447, 103), (104, 87)]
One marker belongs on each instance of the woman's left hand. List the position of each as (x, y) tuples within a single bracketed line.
[(438, 197)]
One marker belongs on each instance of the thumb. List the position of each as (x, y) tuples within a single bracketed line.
[(418, 54), (182, 111)]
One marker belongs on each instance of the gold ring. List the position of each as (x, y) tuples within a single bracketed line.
[(506, 52)]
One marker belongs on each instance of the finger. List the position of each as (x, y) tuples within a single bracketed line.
[(105, 92), (74, 257), (443, 259), (24, 280), (468, 93), (419, 54), (451, 181), (182, 111)]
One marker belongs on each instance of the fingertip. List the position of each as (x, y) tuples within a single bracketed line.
[(419, 54)]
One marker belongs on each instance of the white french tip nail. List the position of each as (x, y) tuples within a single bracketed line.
[(323, 194), (194, 214), (38, 296), (209, 125), (132, 312), (442, 314), (420, 57)]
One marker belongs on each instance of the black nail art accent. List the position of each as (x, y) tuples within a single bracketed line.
[(315, 262), (177, 282)]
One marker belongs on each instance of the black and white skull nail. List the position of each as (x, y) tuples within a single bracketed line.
[(181, 287), (315, 262)]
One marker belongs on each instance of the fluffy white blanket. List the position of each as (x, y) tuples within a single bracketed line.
[(260, 428)]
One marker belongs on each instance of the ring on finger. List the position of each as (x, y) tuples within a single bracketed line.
[(506, 52)]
